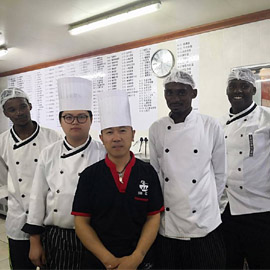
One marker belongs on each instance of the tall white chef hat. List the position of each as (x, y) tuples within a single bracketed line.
[(74, 93), (179, 76), (12, 92), (244, 74), (114, 109)]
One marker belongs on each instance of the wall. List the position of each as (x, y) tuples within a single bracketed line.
[(220, 51)]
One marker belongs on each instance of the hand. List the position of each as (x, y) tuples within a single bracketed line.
[(130, 262), (111, 263), (37, 253)]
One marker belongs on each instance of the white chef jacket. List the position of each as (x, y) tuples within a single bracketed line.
[(56, 179), (20, 158), (247, 136), (191, 163)]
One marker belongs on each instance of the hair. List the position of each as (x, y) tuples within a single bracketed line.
[(60, 115)]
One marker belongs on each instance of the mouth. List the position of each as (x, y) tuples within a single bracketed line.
[(117, 146), (237, 97)]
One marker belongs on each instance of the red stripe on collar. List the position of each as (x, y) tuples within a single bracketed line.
[(121, 187)]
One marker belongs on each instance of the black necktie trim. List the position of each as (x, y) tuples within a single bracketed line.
[(242, 115), (77, 151)]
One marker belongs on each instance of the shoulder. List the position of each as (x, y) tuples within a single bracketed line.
[(94, 169), (160, 123), (209, 120), (51, 150), (5, 134), (145, 166)]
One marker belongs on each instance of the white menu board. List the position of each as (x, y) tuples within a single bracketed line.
[(128, 70)]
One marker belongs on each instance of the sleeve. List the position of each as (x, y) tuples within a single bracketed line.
[(83, 196), (3, 179), (156, 203), (152, 148), (219, 161), (37, 203)]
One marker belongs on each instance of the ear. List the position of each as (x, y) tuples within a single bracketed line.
[(254, 90), (133, 134), (194, 93), (101, 137), (4, 111), (30, 106)]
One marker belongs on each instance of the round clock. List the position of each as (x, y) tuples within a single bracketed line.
[(162, 62)]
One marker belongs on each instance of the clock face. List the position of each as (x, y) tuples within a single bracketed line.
[(162, 62)]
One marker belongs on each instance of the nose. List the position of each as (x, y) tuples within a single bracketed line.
[(116, 137), (75, 121), (19, 112)]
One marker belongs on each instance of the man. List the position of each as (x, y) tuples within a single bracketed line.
[(118, 200), (187, 149), (56, 179), (19, 151), (246, 219)]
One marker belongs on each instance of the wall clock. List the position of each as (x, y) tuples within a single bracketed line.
[(162, 62)]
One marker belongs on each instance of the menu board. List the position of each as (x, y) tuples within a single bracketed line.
[(128, 70)]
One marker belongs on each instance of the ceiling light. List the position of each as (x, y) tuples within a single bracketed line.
[(3, 50), (121, 14)]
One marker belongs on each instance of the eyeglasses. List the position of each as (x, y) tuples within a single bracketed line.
[(69, 118)]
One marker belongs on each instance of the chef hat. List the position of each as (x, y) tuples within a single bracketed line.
[(179, 76), (114, 109), (244, 74), (12, 92), (74, 93)]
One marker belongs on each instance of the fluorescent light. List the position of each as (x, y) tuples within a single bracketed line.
[(117, 15), (3, 50)]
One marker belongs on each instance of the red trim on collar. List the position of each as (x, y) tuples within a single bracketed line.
[(121, 187)]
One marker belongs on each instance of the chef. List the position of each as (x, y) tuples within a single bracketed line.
[(187, 149), (19, 151), (118, 200), (56, 180), (246, 219)]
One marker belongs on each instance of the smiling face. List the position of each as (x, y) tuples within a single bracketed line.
[(18, 111), (117, 141), (179, 98), (240, 94), (76, 133)]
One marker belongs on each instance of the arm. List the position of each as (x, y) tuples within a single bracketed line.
[(91, 241), (219, 161), (148, 236), (36, 252), (152, 148), (3, 179)]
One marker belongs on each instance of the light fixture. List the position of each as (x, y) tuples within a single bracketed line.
[(120, 14), (3, 50)]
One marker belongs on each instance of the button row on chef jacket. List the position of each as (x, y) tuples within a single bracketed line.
[(241, 187), (240, 136), (195, 151), (194, 181), (168, 209), (35, 160)]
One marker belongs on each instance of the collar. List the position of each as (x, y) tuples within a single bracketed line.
[(18, 142), (189, 117), (121, 187), (71, 151), (234, 117)]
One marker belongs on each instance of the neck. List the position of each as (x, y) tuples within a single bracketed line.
[(236, 110), (120, 162), (181, 116), (76, 142), (25, 131)]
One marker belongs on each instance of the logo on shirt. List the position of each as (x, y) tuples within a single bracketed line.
[(144, 188)]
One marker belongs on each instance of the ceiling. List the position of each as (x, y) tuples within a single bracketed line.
[(36, 31)]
